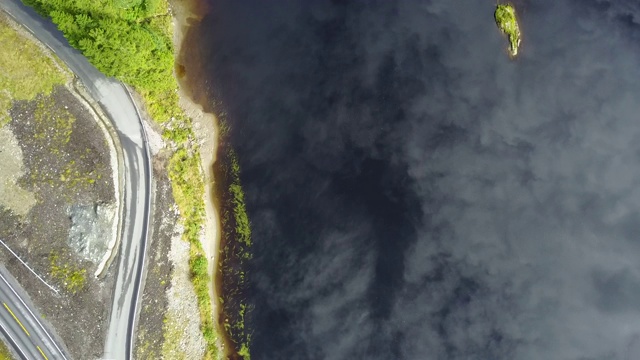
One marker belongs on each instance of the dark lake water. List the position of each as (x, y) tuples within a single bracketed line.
[(416, 194)]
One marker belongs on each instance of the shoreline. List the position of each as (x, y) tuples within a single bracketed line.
[(205, 129)]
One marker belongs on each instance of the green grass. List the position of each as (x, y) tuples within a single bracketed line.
[(505, 16), (25, 69), (5, 354)]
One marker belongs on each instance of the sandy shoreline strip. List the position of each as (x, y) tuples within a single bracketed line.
[(204, 127)]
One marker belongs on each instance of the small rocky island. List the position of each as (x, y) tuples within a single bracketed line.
[(505, 16)]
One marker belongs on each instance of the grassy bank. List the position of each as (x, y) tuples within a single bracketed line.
[(132, 41), (25, 71)]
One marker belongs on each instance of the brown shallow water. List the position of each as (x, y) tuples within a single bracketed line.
[(225, 269)]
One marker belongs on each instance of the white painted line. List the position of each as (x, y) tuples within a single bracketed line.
[(33, 316), (8, 333), (149, 214), (30, 269)]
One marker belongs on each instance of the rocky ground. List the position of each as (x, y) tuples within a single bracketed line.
[(63, 161), (169, 324), (154, 296)]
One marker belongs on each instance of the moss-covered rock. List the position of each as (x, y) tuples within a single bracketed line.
[(507, 22)]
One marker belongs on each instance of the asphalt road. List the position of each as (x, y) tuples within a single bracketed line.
[(117, 103), (20, 324)]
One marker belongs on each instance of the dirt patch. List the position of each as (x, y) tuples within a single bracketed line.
[(67, 164), (12, 196)]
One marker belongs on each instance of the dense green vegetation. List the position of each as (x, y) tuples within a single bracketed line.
[(122, 38), (131, 40), (505, 16)]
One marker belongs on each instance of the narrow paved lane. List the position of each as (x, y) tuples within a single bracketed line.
[(117, 103)]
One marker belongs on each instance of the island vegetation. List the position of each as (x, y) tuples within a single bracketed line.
[(505, 16), (131, 40)]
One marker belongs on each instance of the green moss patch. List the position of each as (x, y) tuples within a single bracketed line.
[(73, 278)]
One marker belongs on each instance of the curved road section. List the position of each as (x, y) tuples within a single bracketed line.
[(117, 103)]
